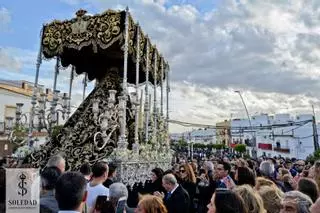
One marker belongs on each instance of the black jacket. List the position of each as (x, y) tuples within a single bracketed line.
[(178, 202), (108, 183)]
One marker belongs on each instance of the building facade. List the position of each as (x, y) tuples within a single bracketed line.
[(223, 132), (265, 135), (278, 135), (11, 93)]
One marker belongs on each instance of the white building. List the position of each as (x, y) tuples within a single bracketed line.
[(278, 135), (203, 136)]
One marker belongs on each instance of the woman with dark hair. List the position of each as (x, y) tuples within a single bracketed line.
[(156, 181), (244, 175), (226, 201), (309, 187)]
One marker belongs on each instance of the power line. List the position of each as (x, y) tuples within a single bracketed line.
[(188, 124)]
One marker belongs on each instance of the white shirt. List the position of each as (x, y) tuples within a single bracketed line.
[(94, 192), (174, 189)]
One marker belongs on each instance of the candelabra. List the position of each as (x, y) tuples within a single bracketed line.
[(47, 118)]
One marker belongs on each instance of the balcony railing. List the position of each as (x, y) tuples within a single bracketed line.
[(283, 150)]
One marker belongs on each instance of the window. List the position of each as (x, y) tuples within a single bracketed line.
[(10, 111)]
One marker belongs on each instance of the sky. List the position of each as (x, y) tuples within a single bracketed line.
[(269, 50)]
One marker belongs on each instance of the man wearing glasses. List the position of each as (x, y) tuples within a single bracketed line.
[(222, 173)]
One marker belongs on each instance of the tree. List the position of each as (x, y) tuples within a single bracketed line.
[(218, 146), (314, 157), (241, 148)]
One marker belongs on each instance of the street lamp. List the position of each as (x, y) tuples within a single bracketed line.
[(249, 119)]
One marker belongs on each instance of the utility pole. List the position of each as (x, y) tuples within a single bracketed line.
[(315, 132)]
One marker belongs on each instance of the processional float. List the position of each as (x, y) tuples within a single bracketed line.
[(111, 123)]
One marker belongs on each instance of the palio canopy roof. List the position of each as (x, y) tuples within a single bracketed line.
[(94, 43)]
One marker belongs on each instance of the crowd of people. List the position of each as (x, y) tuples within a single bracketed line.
[(215, 185)]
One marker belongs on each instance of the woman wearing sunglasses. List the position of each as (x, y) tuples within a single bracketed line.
[(188, 182)]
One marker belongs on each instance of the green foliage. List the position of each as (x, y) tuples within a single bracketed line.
[(241, 148), (56, 131), (182, 143), (218, 146), (314, 157), (20, 132)]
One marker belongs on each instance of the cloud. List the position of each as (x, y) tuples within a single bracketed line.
[(5, 19), (192, 103), (270, 50), (8, 62)]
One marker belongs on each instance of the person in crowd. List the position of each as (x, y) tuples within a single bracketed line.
[(242, 163), (271, 196), (295, 202), (151, 204), (309, 187), (244, 175), (204, 191), (315, 208), (156, 181), (288, 183), (222, 174), (267, 170), (57, 161), (49, 178), (111, 175), (311, 172), (252, 200), (226, 201), (177, 198), (70, 192), (194, 167), (85, 169), (261, 181), (117, 191), (316, 172), (188, 182), (95, 187), (281, 173)]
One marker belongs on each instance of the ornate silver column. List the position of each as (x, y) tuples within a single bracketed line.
[(84, 86), (161, 86), (35, 89), (136, 128), (70, 90), (146, 102), (122, 143), (55, 97), (168, 91), (155, 124)]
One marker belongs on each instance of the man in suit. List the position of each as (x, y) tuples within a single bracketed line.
[(177, 198)]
